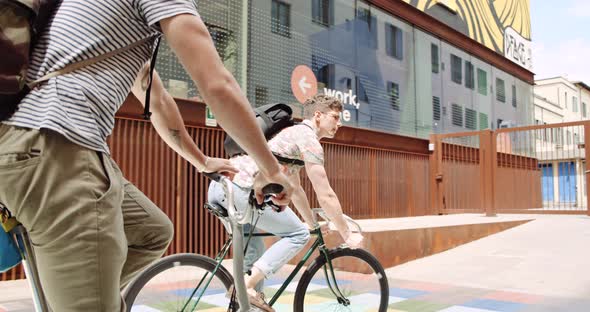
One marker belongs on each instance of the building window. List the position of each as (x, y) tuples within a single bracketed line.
[(434, 60), (457, 117), (320, 12), (325, 76), (435, 108), (469, 75), (456, 69), (574, 104), (513, 95), (348, 83), (361, 94), (584, 110), (482, 81), (547, 134), (364, 14), (483, 121), (500, 90), (281, 18), (565, 98), (393, 92), (394, 41), (261, 95), (470, 119)]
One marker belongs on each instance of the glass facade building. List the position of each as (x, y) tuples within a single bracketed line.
[(392, 75)]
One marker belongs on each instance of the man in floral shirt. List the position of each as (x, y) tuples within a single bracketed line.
[(302, 142)]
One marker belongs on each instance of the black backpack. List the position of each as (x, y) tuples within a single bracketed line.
[(31, 17), (271, 118)]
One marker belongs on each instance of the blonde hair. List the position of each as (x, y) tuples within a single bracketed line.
[(321, 102)]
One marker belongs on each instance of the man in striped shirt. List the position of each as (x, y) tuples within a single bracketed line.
[(93, 230)]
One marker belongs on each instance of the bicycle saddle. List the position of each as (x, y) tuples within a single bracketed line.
[(217, 210)]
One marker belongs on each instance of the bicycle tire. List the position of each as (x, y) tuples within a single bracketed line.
[(173, 261), (361, 255)]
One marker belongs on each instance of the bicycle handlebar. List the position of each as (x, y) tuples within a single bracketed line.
[(269, 189), (320, 212)]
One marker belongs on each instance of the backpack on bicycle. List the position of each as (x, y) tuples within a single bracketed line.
[(272, 118), (20, 23)]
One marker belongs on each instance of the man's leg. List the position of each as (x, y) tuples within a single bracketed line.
[(294, 235), (253, 253), (149, 232), (69, 199)]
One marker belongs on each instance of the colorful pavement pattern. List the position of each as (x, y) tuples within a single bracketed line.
[(405, 296), (408, 296)]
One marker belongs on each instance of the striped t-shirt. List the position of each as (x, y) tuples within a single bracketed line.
[(81, 105)]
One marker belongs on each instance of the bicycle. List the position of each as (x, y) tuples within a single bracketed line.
[(186, 282)]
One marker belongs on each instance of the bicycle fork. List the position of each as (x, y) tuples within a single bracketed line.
[(331, 278)]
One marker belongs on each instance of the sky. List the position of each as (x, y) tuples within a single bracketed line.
[(560, 33)]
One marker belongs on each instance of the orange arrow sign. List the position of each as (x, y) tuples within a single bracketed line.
[(303, 83)]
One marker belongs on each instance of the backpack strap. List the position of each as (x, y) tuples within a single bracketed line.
[(75, 66), (289, 161), (146, 110)]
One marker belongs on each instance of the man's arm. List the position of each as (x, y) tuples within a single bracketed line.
[(189, 38), (169, 125), (300, 201), (330, 203)]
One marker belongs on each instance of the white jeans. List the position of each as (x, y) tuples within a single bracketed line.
[(293, 233)]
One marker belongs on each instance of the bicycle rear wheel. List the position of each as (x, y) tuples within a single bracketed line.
[(173, 284), (360, 279)]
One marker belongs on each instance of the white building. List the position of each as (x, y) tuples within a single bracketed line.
[(558, 100)]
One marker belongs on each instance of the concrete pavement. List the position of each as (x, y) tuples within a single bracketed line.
[(542, 265)]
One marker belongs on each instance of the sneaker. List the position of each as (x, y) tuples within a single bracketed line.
[(260, 302)]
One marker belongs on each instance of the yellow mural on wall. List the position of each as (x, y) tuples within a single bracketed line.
[(502, 25)]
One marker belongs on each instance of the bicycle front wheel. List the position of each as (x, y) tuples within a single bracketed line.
[(176, 282), (361, 283)]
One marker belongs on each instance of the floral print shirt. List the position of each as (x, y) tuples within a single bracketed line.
[(297, 142)]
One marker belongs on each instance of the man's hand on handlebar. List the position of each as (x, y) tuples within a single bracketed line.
[(281, 198), (355, 240), (220, 165)]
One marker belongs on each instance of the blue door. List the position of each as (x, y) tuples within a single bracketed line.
[(567, 181), (547, 181)]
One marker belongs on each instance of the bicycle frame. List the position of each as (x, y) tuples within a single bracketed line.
[(317, 244)]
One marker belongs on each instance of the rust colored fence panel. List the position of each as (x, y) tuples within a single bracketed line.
[(535, 169), (375, 183), (461, 171), (552, 158)]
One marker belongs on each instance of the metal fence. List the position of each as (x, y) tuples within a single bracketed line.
[(536, 169)]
